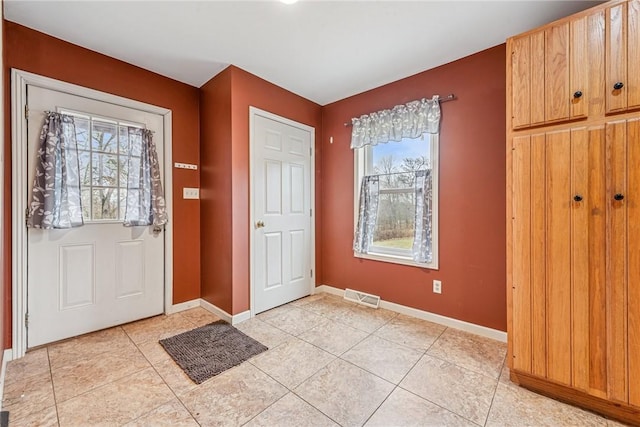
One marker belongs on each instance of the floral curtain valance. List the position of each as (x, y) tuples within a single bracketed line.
[(403, 121)]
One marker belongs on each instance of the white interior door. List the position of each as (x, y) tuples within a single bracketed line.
[(282, 249), (101, 274)]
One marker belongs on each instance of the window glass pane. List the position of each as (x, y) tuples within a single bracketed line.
[(123, 139), (105, 170), (82, 132), (396, 215), (124, 165), (123, 202), (105, 203), (409, 155), (86, 204), (84, 159), (104, 137)]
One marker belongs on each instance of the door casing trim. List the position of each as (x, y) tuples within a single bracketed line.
[(19, 187), (253, 112)]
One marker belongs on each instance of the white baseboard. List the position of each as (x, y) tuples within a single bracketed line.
[(233, 319), (241, 317), (175, 308), (7, 356), (431, 317)]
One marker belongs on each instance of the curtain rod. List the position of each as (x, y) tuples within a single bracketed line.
[(449, 97)]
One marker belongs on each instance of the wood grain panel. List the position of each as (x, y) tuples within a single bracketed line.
[(596, 203), (596, 67), (538, 255), (521, 82), (537, 78), (559, 200), (556, 73), (633, 54), (616, 262), (633, 212), (578, 68), (580, 257), (616, 48), (521, 298)]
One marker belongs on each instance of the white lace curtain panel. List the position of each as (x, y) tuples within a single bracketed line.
[(56, 201), (410, 120)]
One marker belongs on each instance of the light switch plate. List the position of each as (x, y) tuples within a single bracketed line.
[(190, 193)]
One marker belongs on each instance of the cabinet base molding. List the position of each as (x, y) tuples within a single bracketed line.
[(614, 410)]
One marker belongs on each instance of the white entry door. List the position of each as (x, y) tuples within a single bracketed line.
[(282, 240), (101, 274)]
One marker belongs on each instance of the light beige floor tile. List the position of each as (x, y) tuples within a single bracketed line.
[(365, 318), (263, 332), (334, 337), (457, 389), (28, 396), (292, 362), (291, 411), (175, 377), (387, 360), (306, 300), (199, 316), (157, 328), (154, 352), (515, 406), (233, 397), (405, 409), (504, 375), (274, 312), (172, 414), (116, 403), (45, 418), (330, 306), (345, 393), (412, 332), (87, 374), (112, 340), (33, 363), (479, 354), (295, 321)]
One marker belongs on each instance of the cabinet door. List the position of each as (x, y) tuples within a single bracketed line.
[(521, 82), (558, 147), (578, 68), (633, 212), (616, 141), (521, 281), (556, 75), (616, 50), (633, 54), (537, 78)]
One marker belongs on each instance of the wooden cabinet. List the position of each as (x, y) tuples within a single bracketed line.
[(573, 203), (622, 83)]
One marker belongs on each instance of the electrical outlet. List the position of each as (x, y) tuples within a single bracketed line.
[(437, 287), (190, 193)]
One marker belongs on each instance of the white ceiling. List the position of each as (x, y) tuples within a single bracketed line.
[(321, 50)]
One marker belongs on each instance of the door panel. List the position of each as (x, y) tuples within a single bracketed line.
[(556, 75), (521, 82), (521, 253), (616, 42), (282, 202), (617, 265), (101, 274), (633, 211), (579, 66), (537, 78), (596, 64), (559, 199)]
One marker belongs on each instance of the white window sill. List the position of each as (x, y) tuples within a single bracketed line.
[(396, 260)]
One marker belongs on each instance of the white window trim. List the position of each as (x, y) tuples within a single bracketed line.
[(362, 157)]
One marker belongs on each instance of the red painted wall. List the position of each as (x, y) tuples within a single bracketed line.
[(38, 53), (472, 194), (232, 292)]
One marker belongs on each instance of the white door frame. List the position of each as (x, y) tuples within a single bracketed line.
[(253, 112), (19, 188)]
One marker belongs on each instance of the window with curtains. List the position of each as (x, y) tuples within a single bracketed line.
[(105, 151), (397, 168)]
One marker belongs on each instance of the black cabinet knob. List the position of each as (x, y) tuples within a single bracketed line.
[(618, 197), (577, 198), (618, 85), (577, 94)]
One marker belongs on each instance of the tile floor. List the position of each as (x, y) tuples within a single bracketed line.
[(329, 363)]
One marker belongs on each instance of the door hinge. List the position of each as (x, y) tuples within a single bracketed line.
[(26, 320), (310, 212), (311, 273), (310, 151), (26, 112), (26, 216)]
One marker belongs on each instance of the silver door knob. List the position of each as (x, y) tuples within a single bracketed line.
[(259, 224)]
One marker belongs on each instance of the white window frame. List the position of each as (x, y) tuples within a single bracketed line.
[(363, 160)]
